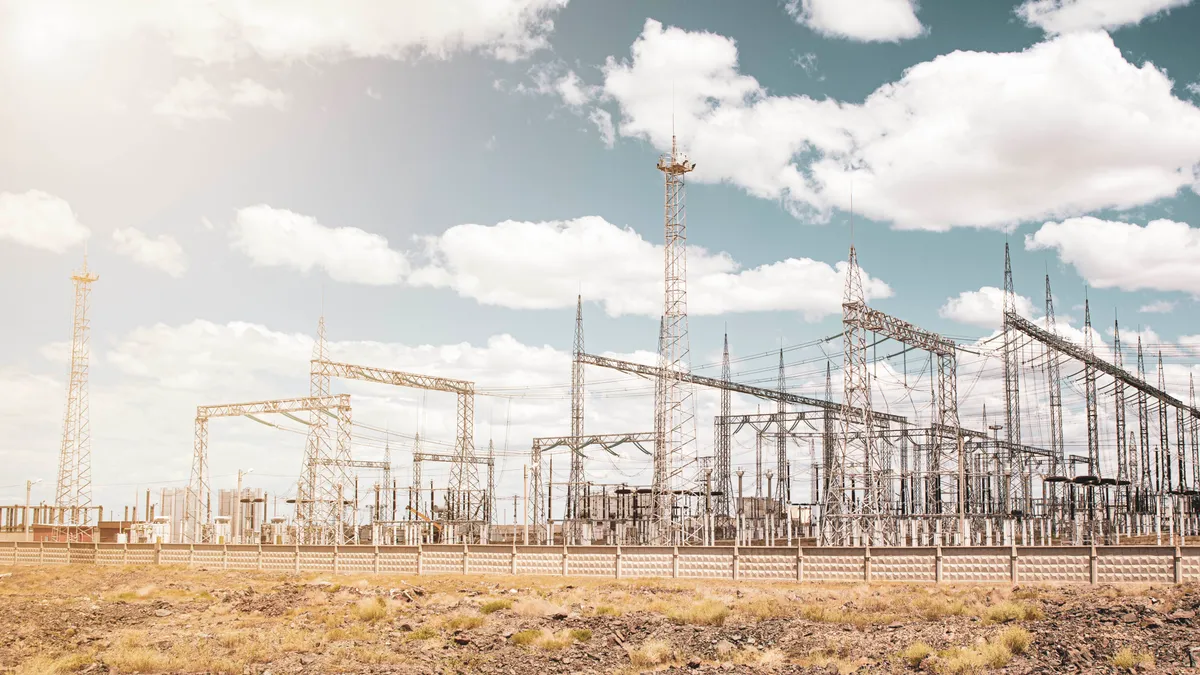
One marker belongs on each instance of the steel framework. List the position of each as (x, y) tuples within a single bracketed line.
[(197, 530), (678, 441), (74, 485)]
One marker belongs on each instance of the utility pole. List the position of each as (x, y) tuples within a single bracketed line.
[(237, 507), (28, 487)]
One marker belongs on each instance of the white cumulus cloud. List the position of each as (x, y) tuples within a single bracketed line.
[(195, 98), (1158, 307), (1061, 16), (976, 139), (537, 265), (162, 252), (1163, 255), (862, 20), (984, 307), (280, 238), (40, 220)]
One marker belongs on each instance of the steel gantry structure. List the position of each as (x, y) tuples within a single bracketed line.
[(322, 514), (464, 474)]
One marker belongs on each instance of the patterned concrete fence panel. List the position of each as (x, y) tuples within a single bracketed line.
[(175, 554), (646, 561), (208, 555), (277, 558), (711, 562), (110, 554), (8, 555), (976, 564), (1145, 564), (592, 561), (27, 553), (904, 564), (398, 560), (441, 559), (834, 564), (139, 554), (767, 564), (491, 560), (1189, 564), (356, 559), (1053, 563), (65, 554), (316, 559), (542, 560), (242, 557)]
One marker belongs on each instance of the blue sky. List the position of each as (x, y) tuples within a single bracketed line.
[(230, 183)]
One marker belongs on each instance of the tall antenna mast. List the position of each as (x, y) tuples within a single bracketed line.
[(74, 489), (677, 407)]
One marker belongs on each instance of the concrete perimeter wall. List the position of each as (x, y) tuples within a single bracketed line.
[(989, 565)]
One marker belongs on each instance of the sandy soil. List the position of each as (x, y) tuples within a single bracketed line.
[(172, 620)]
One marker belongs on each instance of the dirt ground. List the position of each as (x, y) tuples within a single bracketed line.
[(172, 620)]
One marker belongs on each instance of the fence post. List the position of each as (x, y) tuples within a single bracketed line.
[(41, 552), (1093, 572), (1178, 565), (224, 556), (296, 560), (674, 562), (564, 560), (420, 561), (514, 555), (125, 554), (1012, 565), (737, 567), (375, 560), (191, 554), (618, 561), (466, 567), (799, 563), (336, 566), (258, 562), (867, 564), (157, 552), (937, 564)]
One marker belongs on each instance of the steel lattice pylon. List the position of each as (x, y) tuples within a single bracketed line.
[(1012, 396), (783, 491), (321, 509), (1054, 377), (575, 483), (1123, 463), (1089, 386), (675, 405), (724, 461), (74, 488)]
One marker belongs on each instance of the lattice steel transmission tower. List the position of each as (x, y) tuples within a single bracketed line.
[(74, 489), (783, 491), (575, 484), (1012, 394), (1054, 378), (322, 499), (724, 460), (858, 457), (1090, 401), (1123, 475), (677, 407)]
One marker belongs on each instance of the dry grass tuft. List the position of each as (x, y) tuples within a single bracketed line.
[(136, 660), (707, 612), (607, 610), (651, 653), (462, 622), (1016, 639), (536, 607), (526, 637), (422, 633), (45, 665), (496, 605), (763, 608), (370, 609), (1004, 612), (1127, 659), (915, 653), (581, 634)]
